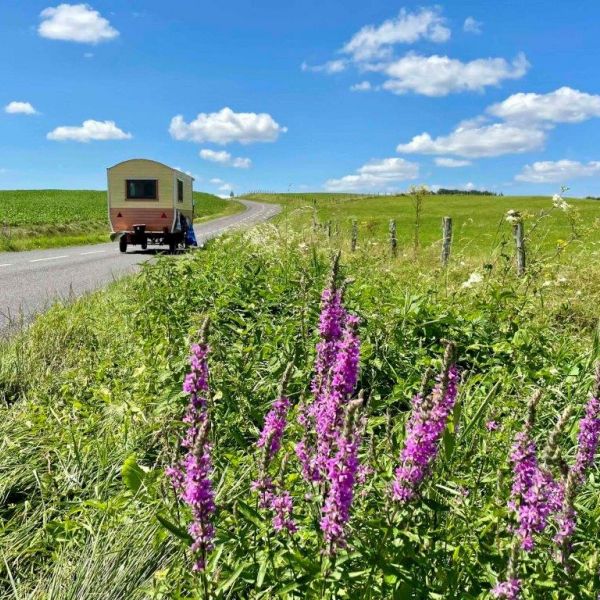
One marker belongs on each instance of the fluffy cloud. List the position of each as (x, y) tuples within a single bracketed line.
[(471, 25), (451, 163), (557, 171), (376, 175), (75, 23), (440, 75), (363, 86), (564, 105), (226, 126), (90, 130), (20, 108), (330, 67), (375, 42), (478, 141), (225, 158)]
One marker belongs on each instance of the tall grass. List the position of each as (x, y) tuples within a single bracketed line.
[(86, 432)]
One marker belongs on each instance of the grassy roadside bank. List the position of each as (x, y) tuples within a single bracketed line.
[(36, 219), (86, 432)]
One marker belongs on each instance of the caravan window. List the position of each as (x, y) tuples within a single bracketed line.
[(179, 190), (141, 189)]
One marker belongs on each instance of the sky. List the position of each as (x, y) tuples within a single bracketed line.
[(304, 95)]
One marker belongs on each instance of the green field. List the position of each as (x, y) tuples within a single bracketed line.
[(52, 218), (87, 432), (478, 221)]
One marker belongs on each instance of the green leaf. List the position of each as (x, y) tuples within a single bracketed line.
[(262, 569), (232, 579), (132, 474), (182, 534), (249, 514)]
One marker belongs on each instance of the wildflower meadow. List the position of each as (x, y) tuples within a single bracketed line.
[(289, 418)]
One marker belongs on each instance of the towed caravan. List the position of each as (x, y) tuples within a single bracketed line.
[(150, 203)]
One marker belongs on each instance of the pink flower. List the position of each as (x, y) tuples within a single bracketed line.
[(191, 476), (424, 431)]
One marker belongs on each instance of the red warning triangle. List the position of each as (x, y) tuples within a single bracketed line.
[(119, 215), (163, 216)]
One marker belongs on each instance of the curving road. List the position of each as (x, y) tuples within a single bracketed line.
[(31, 281)]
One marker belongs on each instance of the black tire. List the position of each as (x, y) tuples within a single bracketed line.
[(172, 246), (123, 243), (144, 244)]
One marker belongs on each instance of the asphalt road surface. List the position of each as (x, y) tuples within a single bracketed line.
[(31, 281)]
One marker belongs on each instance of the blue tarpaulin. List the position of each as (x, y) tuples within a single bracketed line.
[(190, 237)]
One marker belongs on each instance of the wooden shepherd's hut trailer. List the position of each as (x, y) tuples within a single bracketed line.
[(150, 203)]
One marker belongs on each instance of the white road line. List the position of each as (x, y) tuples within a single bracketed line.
[(92, 252), (6, 265), (49, 258)]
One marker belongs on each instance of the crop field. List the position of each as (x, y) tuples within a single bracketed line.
[(285, 421), (53, 218)]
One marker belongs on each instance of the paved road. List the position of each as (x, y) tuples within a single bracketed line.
[(32, 281)]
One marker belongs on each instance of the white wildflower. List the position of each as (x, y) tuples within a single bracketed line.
[(559, 202), (513, 216), (474, 279)]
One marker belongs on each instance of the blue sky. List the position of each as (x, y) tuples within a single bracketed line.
[(307, 95)]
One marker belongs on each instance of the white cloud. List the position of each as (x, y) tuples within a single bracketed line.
[(478, 141), (216, 181), (90, 130), (376, 175), (75, 23), (226, 187), (226, 126), (564, 105), (375, 42), (363, 86), (557, 171), (20, 108), (224, 158), (451, 163), (471, 25), (440, 75), (330, 67)]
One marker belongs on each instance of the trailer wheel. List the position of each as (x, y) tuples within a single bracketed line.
[(172, 246), (123, 243), (144, 244)]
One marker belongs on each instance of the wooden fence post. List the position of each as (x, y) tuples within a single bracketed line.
[(393, 238), (329, 229), (446, 239), (354, 237), (519, 231)]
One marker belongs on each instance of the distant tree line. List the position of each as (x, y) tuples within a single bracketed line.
[(449, 192)]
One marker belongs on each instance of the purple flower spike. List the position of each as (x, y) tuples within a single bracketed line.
[(342, 474), (271, 495), (191, 476), (511, 590), (275, 422), (334, 382), (588, 443), (424, 431)]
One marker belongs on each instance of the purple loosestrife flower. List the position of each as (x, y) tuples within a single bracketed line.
[(275, 422), (341, 471), (271, 496), (191, 476), (535, 494), (424, 431), (335, 379), (511, 589), (588, 443)]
